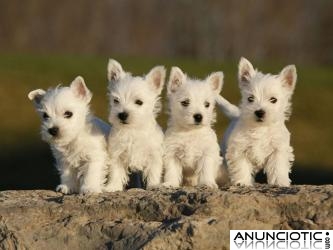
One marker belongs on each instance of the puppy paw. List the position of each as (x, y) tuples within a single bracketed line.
[(62, 188), (153, 186), (169, 185), (211, 185), (85, 189), (281, 183), (243, 184), (112, 188)]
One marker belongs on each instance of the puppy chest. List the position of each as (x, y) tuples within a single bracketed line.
[(258, 151), (187, 154), (138, 154), (76, 160), (132, 159)]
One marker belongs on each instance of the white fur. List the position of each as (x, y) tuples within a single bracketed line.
[(250, 143), (135, 144), (191, 150), (80, 145)]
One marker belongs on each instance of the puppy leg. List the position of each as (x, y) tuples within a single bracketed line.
[(207, 171), (278, 168), (173, 173), (69, 181), (94, 175), (240, 171), (118, 177), (153, 172)]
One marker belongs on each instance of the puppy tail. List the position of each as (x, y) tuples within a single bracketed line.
[(230, 110), (104, 127)]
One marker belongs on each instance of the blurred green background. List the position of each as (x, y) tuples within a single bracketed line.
[(44, 43)]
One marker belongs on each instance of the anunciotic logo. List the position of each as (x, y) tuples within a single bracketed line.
[(280, 239)]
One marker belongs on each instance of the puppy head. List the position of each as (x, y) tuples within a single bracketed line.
[(265, 97), (63, 111), (134, 100), (192, 102)]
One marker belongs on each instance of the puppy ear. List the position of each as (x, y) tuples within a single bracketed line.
[(176, 79), (216, 81), (288, 76), (156, 78), (245, 71), (36, 96), (80, 89), (114, 70)]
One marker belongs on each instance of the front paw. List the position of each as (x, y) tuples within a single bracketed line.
[(210, 185), (62, 188), (153, 186), (170, 185), (281, 183), (112, 188), (243, 184), (86, 189)]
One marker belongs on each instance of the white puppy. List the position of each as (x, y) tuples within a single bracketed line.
[(192, 154), (77, 139), (136, 140), (257, 137)]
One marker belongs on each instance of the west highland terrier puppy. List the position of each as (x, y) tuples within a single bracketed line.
[(136, 140), (77, 139), (192, 154), (257, 138)]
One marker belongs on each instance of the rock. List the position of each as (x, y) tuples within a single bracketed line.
[(184, 218)]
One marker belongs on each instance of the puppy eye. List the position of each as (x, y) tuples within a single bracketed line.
[(45, 116), (138, 102), (185, 103), (207, 104), (115, 101), (273, 100), (68, 114), (251, 98)]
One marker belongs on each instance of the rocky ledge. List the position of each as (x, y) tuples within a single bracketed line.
[(186, 218)]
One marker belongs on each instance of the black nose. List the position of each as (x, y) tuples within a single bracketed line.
[(197, 117), (53, 131), (123, 116), (259, 113)]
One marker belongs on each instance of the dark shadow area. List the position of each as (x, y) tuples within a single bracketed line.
[(32, 167), (28, 167), (135, 180), (306, 174)]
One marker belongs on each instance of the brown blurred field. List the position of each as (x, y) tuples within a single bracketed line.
[(27, 163)]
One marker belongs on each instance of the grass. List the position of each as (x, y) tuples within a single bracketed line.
[(310, 125)]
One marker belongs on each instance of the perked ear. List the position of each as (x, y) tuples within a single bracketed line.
[(288, 76), (36, 96), (216, 81), (176, 79), (114, 70), (156, 78), (245, 71), (80, 89)]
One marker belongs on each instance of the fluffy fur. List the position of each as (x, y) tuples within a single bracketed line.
[(191, 149), (257, 137), (135, 142), (77, 139)]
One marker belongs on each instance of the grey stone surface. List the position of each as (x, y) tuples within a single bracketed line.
[(184, 218)]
